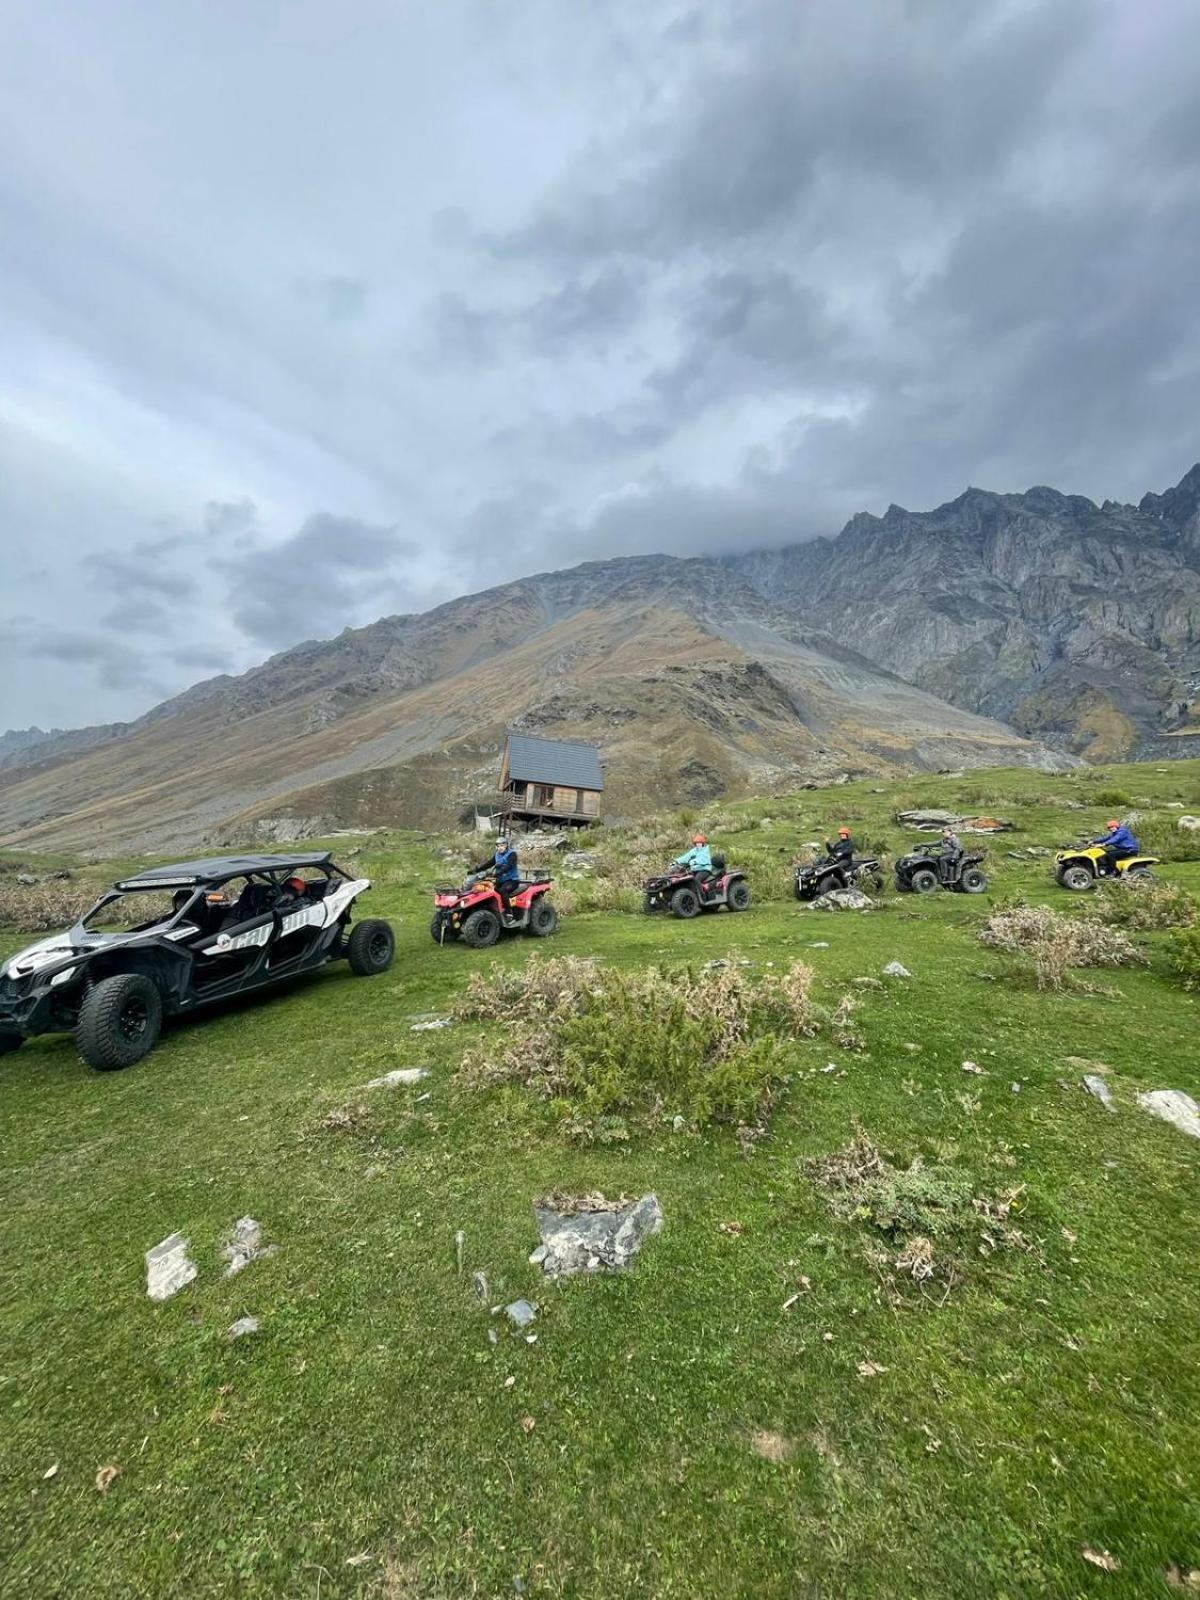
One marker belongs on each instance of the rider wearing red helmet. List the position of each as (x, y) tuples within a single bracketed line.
[(841, 851)]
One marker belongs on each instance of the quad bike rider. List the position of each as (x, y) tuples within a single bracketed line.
[(1116, 855), (697, 881), (493, 900), (924, 869), (839, 870)]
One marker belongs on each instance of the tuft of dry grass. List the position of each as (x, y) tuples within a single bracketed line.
[(1052, 945)]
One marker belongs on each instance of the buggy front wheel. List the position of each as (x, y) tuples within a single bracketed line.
[(119, 1021), (371, 948)]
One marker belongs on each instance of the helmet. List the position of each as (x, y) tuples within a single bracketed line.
[(699, 838), (501, 843), (1113, 823), (295, 883), (843, 833)]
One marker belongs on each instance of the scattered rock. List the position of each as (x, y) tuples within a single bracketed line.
[(479, 1283), (580, 860), (593, 1234), (107, 1476), (1099, 1090), (973, 1067), (401, 1075), (932, 821), (243, 1326), (1101, 1558), (460, 1240), (27, 880), (431, 1025), (1175, 1107), (818, 944), (1189, 823), (520, 1313), (169, 1267), (896, 969), (843, 900), (245, 1245)]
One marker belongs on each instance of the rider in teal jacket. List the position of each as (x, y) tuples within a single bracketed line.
[(698, 858)]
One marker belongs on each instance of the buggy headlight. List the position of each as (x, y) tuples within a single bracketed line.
[(63, 975)]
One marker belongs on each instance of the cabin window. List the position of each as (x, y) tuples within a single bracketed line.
[(544, 797)]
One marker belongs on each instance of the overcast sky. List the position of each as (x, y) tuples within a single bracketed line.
[(313, 312)]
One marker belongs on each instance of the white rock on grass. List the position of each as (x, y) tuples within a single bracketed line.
[(520, 1313), (1189, 823), (243, 1326), (401, 1075), (896, 969), (595, 1236), (245, 1245), (843, 900), (169, 1267), (432, 1025), (1175, 1107), (1099, 1090)]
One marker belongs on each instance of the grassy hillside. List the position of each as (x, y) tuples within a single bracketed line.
[(766, 1405)]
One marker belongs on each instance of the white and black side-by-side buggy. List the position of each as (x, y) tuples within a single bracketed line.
[(172, 939)]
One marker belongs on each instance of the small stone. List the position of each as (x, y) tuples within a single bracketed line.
[(169, 1267), (1015, 1087), (493, 1336), (460, 1240), (1175, 1107), (1099, 1090), (973, 1067), (245, 1245), (243, 1326), (896, 969), (480, 1285), (520, 1313), (818, 944), (401, 1075), (432, 1025), (678, 1122)]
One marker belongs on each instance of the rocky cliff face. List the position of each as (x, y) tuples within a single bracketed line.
[(1074, 622)]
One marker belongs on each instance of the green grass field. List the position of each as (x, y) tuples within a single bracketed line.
[(673, 1431)]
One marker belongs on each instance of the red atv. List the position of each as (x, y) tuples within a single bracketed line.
[(685, 893), (476, 915)]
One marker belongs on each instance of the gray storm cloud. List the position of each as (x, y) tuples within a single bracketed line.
[(315, 315)]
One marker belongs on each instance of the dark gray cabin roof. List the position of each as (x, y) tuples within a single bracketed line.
[(216, 869), (560, 761)]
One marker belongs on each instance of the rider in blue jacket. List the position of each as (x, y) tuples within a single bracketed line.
[(698, 858), (1119, 844), (502, 869)]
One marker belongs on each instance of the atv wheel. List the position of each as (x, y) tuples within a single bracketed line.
[(543, 919), (1077, 878), (828, 885), (481, 929), (973, 881), (648, 904), (739, 896), (902, 885), (370, 948), (10, 1042), (440, 928), (685, 903), (924, 880), (119, 1021), (1139, 874)]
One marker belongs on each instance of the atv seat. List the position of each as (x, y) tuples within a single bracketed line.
[(718, 864)]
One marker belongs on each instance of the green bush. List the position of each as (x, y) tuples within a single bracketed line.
[(1143, 905), (1112, 799), (1164, 838), (1185, 957)]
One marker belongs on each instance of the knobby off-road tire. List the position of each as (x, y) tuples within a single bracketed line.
[(973, 881), (924, 880), (543, 919), (1077, 878), (685, 903), (829, 884), (371, 948), (10, 1042), (481, 929), (441, 930), (739, 896), (119, 1021), (1139, 874)]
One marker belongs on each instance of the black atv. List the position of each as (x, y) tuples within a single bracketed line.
[(815, 878), (920, 872), (685, 893)]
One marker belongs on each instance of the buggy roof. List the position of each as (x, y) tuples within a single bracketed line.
[(218, 869)]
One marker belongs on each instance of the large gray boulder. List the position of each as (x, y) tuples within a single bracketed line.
[(843, 900), (593, 1234)]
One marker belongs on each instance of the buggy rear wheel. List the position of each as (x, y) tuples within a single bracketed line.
[(739, 895), (481, 929), (371, 948), (973, 881), (924, 880), (119, 1021), (543, 918), (685, 903)]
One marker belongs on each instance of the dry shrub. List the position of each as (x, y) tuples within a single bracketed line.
[(612, 1049), (1144, 906), (1052, 944), (42, 907), (929, 1219), (1185, 958)]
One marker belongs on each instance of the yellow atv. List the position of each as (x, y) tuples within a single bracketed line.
[(1083, 866)]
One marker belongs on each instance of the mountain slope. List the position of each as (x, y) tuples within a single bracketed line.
[(1077, 623), (691, 682)]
